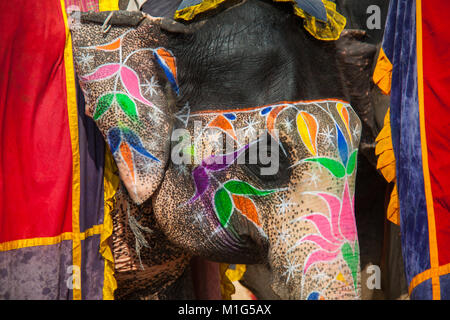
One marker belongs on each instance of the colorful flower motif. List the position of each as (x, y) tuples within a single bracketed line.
[(223, 122), (111, 46), (336, 234), (129, 79), (343, 113), (120, 139), (271, 119), (211, 164), (127, 105), (167, 62), (235, 194), (315, 296), (346, 165), (307, 128)]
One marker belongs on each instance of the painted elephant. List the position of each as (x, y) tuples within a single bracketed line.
[(235, 131)]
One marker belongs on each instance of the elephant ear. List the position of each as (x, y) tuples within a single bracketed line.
[(128, 76)]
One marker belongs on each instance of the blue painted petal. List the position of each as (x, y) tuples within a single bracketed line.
[(315, 8), (342, 146), (169, 73), (266, 110), (114, 139), (135, 142), (313, 296), (230, 116)]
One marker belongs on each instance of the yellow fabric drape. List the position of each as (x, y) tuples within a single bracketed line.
[(110, 186), (226, 286), (382, 75), (386, 164), (331, 30), (108, 5), (228, 276)]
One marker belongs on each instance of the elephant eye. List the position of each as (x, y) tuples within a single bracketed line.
[(268, 161)]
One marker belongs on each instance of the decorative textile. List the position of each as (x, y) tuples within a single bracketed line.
[(226, 286), (382, 75), (108, 5), (415, 43), (228, 274), (386, 164), (52, 244), (321, 18), (158, 8), (329, 30), (83, 5)]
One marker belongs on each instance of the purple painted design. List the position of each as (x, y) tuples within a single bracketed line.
[(213, 163), (221, 162), (201, 180)]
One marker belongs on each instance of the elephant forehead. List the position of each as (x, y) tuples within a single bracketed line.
[(253, 54), (302, 129)]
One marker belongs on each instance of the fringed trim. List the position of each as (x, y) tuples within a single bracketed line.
[(111, 184), (189, 13), (385, 151), (393, 211), (386, 164), (382, 75), (326, 31)]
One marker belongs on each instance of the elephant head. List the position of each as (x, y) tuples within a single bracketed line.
[(238, 130)]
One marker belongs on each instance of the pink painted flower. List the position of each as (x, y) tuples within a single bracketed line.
[(336, 232)]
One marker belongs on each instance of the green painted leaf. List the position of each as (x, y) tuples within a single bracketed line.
[(352, 259), (103, 104), (128, 106), (352, 162), (224, 206), (243, 188), (335, 167)]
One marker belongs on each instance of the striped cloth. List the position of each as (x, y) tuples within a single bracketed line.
[(56, 180), (414, 68)]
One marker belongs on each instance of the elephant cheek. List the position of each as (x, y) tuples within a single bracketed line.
[(305, 258), (171, 209), (193, 223), (186, 222)]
